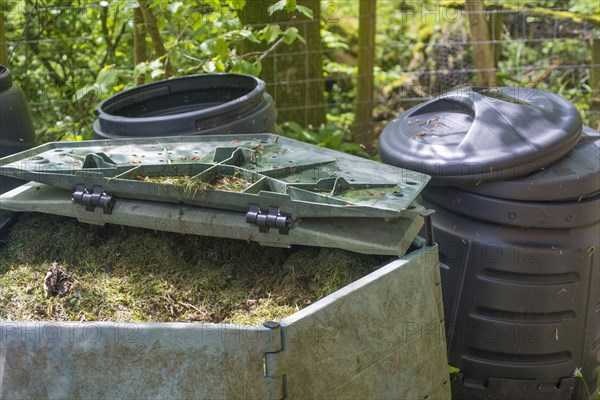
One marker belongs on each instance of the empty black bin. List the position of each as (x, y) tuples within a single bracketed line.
[(518, 240), (210, 104), (16, 127), (16, 131)]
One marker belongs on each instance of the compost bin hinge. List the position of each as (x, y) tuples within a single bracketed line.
[(273, 362), (272, 219), (97, 198)]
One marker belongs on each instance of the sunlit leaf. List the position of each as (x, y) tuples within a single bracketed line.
[(258, 65), (209, 67), (272, 33), (174, 7), (291, 34), (222, 47), (156, 73), (279, 6), (290, 5), (84, 92), (452, 369), (237, 4), (207, 47), (247, 34), (107, 77), (220, 67), (306, 11)]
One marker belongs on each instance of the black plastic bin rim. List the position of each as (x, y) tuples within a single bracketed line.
[(235, 124), (574, 177), (255, 86), (5, 78), (524, 214)]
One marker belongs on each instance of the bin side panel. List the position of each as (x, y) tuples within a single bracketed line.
[(110, 360), (380, 337)]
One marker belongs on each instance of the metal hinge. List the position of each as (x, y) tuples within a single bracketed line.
[(97, 198), (272, 361), (272, 219)]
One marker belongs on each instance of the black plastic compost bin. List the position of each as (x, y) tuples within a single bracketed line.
[(16, 130), (518, 228), (193, 105)]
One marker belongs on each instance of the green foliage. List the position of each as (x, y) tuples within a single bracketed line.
[(452, 369), (72, 56), (334, 135), (520, 59), (64, 49), (219, 53), (210, 39), (290, 6)]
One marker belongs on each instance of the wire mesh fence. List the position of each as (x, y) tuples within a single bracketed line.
[(422, 49)]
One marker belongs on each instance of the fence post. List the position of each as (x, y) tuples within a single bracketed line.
[(480, 34), (595, 84), (362, 128), (3, 44), (496, 25), (140, 50)]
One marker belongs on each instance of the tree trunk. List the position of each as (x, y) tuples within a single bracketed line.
[(294, 73), (157, 41), (3, 44), (480, 34), (595, 85), (140, 51), (363, 122), (110, 47)]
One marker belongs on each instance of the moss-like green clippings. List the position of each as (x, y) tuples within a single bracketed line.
[(132, 275)]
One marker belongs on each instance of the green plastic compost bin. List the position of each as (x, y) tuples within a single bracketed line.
[(382, 336)]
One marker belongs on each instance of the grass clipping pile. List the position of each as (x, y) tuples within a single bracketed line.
[(133, 275)]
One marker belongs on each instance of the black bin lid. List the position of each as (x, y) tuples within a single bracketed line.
[(477, 135), (573, 177)]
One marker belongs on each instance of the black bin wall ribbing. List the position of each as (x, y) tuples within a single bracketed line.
[(521, 302)]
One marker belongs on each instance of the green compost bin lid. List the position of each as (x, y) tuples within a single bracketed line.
[(275, 182), (225, 172)]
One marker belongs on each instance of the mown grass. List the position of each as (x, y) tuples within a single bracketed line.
[(133, 275), (191, 185)]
